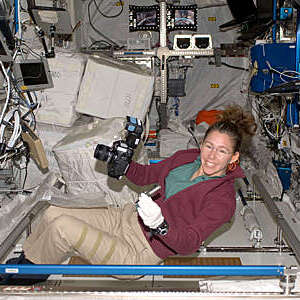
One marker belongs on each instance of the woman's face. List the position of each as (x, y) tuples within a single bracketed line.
[(216, 153)]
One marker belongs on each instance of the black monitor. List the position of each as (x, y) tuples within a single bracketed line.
[(265, 9), (5, 55), (32, 74), (182, 17), (144, 18), (242, 11)]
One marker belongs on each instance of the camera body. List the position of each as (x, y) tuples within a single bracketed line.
[(119, 155)]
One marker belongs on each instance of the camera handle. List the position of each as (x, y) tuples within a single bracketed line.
[(163, 228), (150, 193), (153, 191)]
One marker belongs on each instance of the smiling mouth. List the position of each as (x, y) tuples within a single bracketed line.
[(209, 164)]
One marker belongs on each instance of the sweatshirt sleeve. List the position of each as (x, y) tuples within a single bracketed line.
[(145, 174), (186, 237), (149, 174)]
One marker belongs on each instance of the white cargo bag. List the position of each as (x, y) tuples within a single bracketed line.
[(113, 88), (57, 104), (86, 176)]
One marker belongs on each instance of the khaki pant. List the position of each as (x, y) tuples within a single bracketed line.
[(101, 236)]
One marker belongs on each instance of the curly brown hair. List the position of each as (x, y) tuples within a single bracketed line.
[(236, 122)]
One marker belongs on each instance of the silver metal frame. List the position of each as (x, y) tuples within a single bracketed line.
[(289, 235)]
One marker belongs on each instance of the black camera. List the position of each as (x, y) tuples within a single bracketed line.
[(119, 155)]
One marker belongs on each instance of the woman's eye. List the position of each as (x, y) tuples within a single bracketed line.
[(223, 151), (208, 146)]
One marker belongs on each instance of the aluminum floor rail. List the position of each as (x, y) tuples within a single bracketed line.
[(19, 228), (144, 270), (289, 235)]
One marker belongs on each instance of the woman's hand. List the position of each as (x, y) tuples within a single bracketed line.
[(149, 211)]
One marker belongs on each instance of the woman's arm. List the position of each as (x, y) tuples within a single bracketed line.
[(185, 235), (149, 174), (144, 174)]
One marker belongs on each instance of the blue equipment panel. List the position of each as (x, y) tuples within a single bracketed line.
[(286, 13), (268, 61), (284, 171)]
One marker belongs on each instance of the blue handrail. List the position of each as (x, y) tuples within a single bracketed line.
[(16, 16), (254, 270)]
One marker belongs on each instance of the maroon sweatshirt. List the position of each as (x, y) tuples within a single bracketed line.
[(193, 213)]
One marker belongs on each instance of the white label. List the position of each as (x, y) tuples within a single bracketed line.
[(17, 288), (14, 271), (48, 16)]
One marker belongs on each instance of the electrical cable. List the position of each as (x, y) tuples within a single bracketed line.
[(243, 200), (27, 156), (270, 120), (22, 8), (17, 130), (274, 80), (14, 113), (212, 5), (190, 130), (282, 73), (290, 114), (108, 45), (31, 51), (289, 71), (234, 67), (32, 123), (25, 177), (7, 94), (96, 30), (106, 16)]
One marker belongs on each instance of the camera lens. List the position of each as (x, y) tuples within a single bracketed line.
[(102, 152)]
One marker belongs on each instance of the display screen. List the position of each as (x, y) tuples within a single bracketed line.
[(144, 18), (33, 73), (179, 17), (182, 17)]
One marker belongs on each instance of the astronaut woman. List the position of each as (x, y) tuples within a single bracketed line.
[(196, 197)]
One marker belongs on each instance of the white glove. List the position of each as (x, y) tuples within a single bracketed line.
[(149, 211)]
